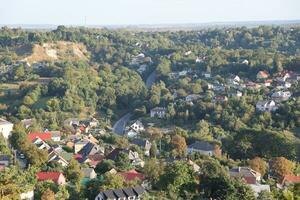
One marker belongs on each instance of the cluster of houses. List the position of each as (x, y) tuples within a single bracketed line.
[(142, 62)]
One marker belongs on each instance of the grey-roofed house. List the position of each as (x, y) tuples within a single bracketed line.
[(144, 144), (91, 149), (131, 193), (201, 147), (4, 160)]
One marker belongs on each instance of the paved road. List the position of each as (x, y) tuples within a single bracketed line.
[(119, 126), (151, 79)]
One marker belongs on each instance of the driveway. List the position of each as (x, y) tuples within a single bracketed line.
[(151, 79), (119, 126)]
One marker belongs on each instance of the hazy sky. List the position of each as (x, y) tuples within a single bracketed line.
[(104, 12)]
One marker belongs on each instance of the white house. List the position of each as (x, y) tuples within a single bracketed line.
[(267, 105), (187, 53), (29, 195), (246, 62), (192, 97), (159, 112), (5, 128), (55, 136), (281, 95), (131, 133), (137, 126)]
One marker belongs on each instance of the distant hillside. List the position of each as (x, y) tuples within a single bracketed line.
[(56, 51)]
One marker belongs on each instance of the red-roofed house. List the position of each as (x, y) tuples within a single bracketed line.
[(42, 136), (262, 75), (290, 179), (56, 177), (132, 175)]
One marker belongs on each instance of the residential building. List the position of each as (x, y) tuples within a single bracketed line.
[(137, 126), (131, 193), (55, 136), (29, 195), (56, 177), (249, 175), (258, 188), (5, 128), (266, 106), (262, 75), (132, 175), (202, 147), (42, 136), (281, 95), (88, 173), (193, 97), (4, 160), (289, 180), (159, 112), (219, 99), (144, 144)]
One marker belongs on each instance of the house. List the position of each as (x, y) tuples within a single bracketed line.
[(4, 160), (79, 145), (55, 136), (29, 195), (54, 156), (132, 155), (202, 147), (262, 75), (266, 106), (91, 149), (27, 122), (182, 73), (56, 177), (88, 173), (206, 74), (137, 126), (281, 95), (132, 175), (284, 85), (192, 97), (159, 112), (144, 144), (219, 99), (72, 122), (131, 133), (283, 76), (289, 180), (187, 53), (249, 175), (218, 88), (5, 128), (258, 188), (41, 144), (42, 136), (236, 94), (267, 83), (234, 80), (246, 62), (131, 193)]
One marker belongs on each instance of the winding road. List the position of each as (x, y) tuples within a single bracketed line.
[(120, 125)]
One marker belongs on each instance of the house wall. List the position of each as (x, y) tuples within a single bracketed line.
[(191, 150), (61, 180), (6, 129), (27, 195), (250, 180), (5, 163)]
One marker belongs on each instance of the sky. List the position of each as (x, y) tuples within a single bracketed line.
[(134, 12)]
